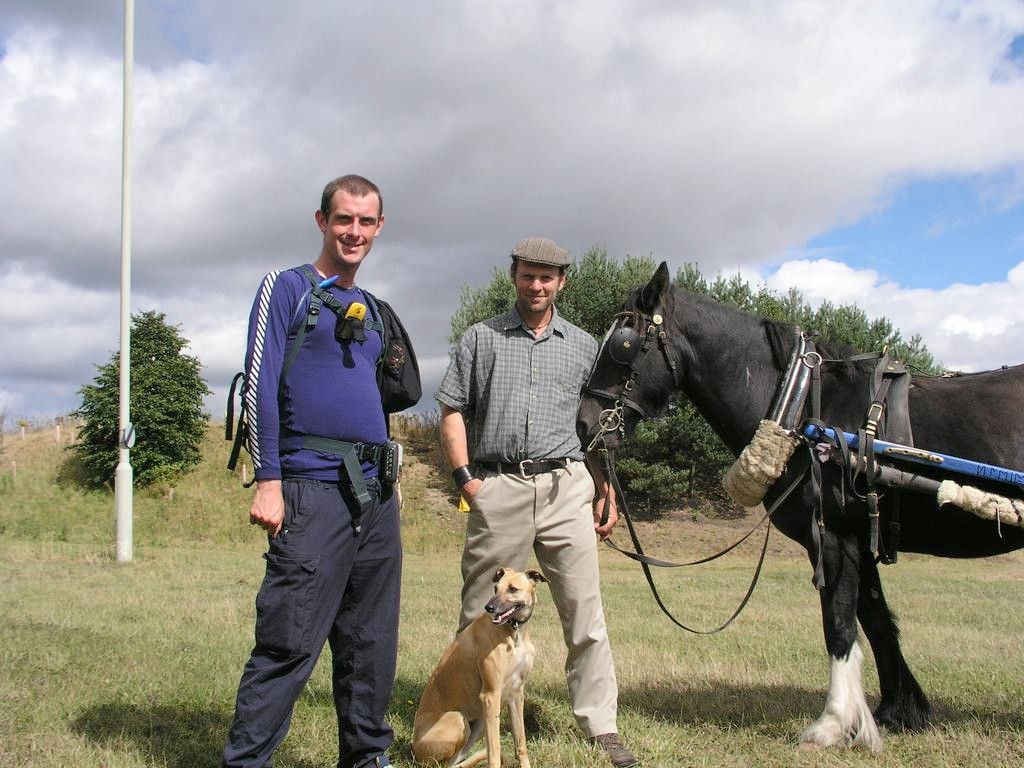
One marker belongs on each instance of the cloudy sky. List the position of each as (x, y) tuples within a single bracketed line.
[(868, 152)]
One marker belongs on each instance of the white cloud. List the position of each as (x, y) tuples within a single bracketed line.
[(1016, 275), (966, 327), (825, 279), (723, 133)]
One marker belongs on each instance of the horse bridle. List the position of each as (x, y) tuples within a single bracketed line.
[(632, 335), (627, 345)]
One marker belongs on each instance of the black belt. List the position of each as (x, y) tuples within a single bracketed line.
[(526, 468)]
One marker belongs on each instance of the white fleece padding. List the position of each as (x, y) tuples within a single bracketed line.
[(760, 465), (990, 506)]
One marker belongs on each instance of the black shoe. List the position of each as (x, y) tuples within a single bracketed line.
[(615, 749)]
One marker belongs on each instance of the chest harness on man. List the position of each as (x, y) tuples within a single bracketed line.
[(386, 456)]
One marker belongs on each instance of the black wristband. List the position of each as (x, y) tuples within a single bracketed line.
[(462, 475)]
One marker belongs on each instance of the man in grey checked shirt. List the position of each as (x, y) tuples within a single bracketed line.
[(508, 427)]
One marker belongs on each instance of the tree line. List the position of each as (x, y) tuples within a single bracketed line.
[(678, 455), (671, 458)]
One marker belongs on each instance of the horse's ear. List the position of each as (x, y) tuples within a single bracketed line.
[(655, 289)]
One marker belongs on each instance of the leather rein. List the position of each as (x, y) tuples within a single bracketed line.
[(624, 352)]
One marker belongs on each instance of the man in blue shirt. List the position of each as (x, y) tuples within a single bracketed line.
[(334, 560)]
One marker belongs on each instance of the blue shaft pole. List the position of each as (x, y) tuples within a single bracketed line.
[(899, 452)]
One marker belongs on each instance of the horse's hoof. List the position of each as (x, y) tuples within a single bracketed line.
[(896, 719), (820, 736)]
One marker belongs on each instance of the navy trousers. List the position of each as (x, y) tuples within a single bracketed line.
[(326, 581)]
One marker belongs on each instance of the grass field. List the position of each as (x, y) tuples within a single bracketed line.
[(135, 664)]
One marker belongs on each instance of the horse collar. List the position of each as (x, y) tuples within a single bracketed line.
[(795, 383)]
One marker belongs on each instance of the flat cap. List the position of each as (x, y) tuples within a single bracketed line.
[(540, 250)]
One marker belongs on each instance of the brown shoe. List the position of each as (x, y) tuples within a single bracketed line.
[(615, 749)]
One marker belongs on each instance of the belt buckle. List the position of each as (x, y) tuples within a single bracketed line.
[(522, 468), (373, 450)]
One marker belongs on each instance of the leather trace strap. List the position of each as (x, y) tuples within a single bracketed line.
[(861, 466)]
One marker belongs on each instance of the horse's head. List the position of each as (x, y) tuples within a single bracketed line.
[(636, 371)]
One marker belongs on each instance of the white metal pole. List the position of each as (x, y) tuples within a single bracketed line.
[(123, 475)]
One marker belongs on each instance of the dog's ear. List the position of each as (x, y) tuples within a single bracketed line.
[(535, 576), (498, 574)]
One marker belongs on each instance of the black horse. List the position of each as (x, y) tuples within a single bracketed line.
[(729, 364)]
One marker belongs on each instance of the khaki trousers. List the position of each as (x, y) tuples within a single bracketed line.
[(550, 515)]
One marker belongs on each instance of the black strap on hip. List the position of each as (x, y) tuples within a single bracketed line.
[(351, 455)]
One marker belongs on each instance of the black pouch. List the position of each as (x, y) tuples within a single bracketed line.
[(390, 462), (349, 328), (398, 372)]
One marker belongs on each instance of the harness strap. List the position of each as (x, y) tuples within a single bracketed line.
[(886, 373), (230, 418), (241, 429), (236, 446), (890, 551), (818, 518), (350, 453), (318, 297), (312, 315), (864, 463)]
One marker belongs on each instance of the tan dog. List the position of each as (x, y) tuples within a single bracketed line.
[(485, 666)]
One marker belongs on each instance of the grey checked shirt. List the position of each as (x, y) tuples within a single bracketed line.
[(519, 395)]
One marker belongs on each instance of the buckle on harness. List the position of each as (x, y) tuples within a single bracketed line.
[(875, 411), (368, 452)]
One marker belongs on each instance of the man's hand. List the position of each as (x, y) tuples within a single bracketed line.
[(606, 496), (471, 489), (267, 509)]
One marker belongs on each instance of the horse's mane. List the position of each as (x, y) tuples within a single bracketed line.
[(782, 339), (780, 335)]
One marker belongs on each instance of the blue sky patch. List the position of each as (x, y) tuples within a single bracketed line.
[(1016, 53), (933, 233)]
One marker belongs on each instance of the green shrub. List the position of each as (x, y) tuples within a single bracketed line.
[(165, 405)]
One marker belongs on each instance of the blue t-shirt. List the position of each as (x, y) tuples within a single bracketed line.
[(330, 389)]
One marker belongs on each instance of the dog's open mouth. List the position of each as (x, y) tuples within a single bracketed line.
[(504, 616)]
